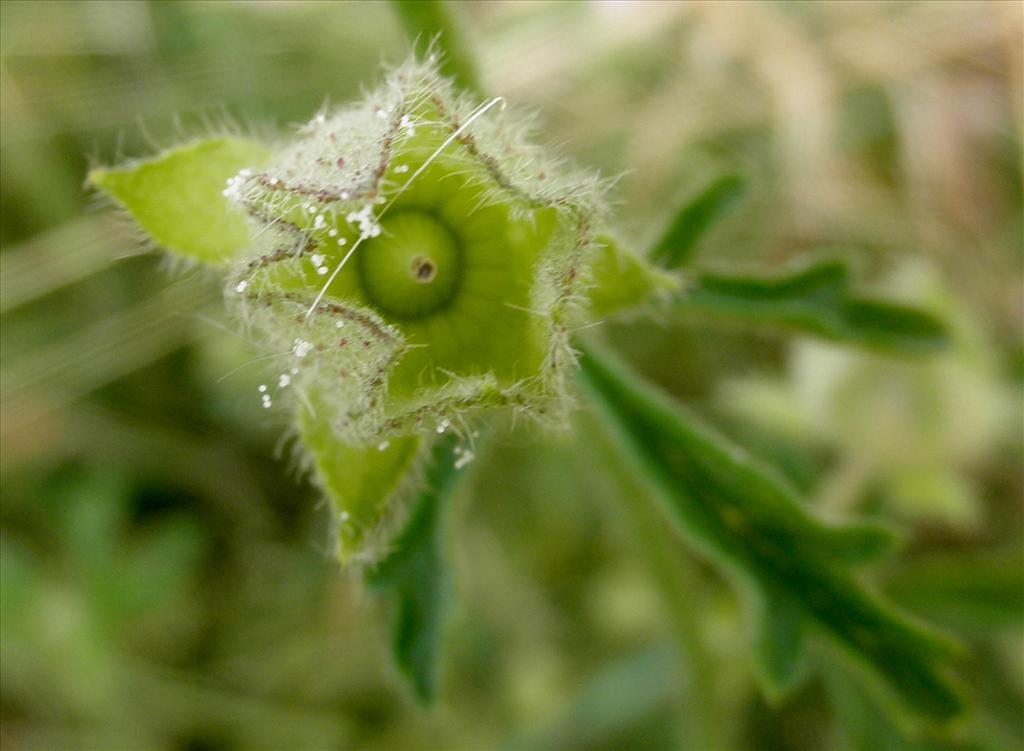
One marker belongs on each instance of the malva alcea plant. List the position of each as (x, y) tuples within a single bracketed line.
[(411, 261), (415, 270)]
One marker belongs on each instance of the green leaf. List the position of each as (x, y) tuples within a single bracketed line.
[(747, 520), (781, 644), (417, 576), (177, 198), (863, 724), (361, 482), (816, 300), (695, 218), (622, 280)]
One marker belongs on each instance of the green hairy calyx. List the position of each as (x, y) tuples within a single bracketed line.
[(410, 260)]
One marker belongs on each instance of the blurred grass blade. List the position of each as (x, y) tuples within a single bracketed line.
[(59, 257), (741, 516), (623, 694), (417, 577), (427, 20), (177, 198), (67, 368), (695, 218), (202, 464), (816, 300), (974, 592)]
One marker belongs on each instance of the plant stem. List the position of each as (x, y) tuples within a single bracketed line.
[(682, 594), (436, 22)]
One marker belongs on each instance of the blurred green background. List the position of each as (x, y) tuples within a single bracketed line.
[(164, 568)]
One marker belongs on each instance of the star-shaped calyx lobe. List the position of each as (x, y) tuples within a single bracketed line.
[(419, 258)]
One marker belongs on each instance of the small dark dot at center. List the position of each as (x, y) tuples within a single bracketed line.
[(424, 270)]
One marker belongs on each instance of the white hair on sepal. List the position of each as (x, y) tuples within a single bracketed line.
[(326, 196)]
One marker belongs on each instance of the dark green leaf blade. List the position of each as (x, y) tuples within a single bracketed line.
[(416, 576), (815, 300), (744, 518), (695, 218), (781, 643)]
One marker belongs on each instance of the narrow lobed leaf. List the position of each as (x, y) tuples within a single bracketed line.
[(780, 644), (816, 300), (178, 197), (744, 518), (695, 218), (416, 575)]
